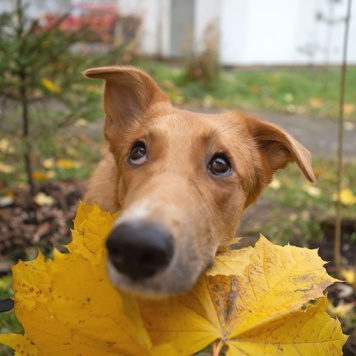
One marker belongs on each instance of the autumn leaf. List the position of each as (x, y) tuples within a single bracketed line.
[(245, 308), (65, 163), (50, 86), (5, 168), (347, 197), (42, 199), (68, 305), (230, 262), (253, 301), (43, 175)]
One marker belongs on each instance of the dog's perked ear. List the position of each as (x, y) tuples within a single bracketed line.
[(128, 93), (278, 148)]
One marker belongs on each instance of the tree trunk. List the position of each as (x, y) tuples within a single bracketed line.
[(27, 145)]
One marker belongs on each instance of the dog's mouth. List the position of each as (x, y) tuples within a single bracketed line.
[(143, 259)]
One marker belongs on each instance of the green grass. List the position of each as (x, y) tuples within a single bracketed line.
[(300, 91), (297, 207)]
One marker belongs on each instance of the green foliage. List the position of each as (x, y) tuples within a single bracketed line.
[(41, 85)]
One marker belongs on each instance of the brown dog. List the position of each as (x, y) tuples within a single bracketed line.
[(181, 181)]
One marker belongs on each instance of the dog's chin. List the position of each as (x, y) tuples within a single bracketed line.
[(162, 285)]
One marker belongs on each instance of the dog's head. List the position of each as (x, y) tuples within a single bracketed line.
[(183, 181)]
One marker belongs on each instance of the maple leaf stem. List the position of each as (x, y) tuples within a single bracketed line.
[(217, 346)]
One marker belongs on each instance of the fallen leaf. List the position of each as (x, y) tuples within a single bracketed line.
[(349, 108), (5, 168), (6, 146), (288, 97), (347, 197), (50, 86), (316, 103), (65, 163), (340, 310), (311, 190), (81, 123), (6, 198), (349, 275), (49, 163), (275, 184), (42, 199), (43, 175)]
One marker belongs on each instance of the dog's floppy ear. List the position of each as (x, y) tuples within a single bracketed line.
[(128, 93), (278, 148)]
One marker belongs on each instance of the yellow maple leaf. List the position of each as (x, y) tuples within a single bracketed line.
[(68, 305), (254, 300), (242, 310), (230, 262)]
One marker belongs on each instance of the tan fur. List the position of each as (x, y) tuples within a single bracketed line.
[(173, 188)]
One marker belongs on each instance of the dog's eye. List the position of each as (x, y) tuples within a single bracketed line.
[(138, 153), (220, 165)]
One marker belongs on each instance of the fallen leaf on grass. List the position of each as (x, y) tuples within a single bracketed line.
[(5, 168), (275, 184), (49, 163), (315, 103), (81, 123), (37, 175), (256, 301), (347, 197), (349, 108), (6, 146), (311, 190), (50, 86), (65, 163)]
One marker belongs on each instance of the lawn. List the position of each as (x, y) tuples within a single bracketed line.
[(306, 91)]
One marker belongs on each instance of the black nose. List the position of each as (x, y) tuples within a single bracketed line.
[(140, 250)]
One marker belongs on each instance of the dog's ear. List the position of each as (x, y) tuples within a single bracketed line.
[(278, 148), (128, 93)]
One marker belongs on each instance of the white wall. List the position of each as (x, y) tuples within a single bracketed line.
[(252, 32), (259, 32)]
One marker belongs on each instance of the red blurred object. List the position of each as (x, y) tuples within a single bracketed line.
[(99, 19)]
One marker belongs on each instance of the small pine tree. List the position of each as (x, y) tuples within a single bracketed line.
[(38, 65)]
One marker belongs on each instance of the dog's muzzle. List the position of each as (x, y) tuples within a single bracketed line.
[(140, 250)]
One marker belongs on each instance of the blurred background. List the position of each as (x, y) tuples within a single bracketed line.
[(277, 60)]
